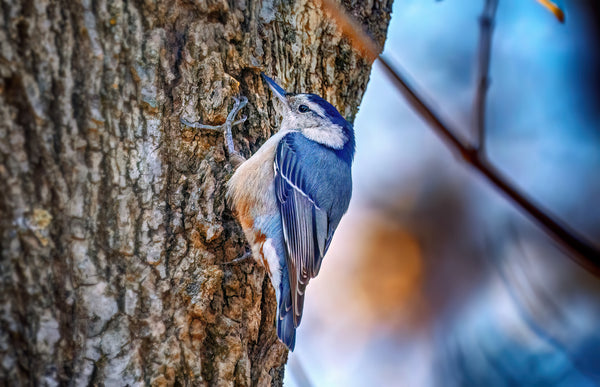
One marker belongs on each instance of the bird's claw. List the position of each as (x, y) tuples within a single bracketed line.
[(247, 255), (198, 125), (238, 104)]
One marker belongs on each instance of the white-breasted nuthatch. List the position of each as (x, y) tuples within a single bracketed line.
[(291, 194)]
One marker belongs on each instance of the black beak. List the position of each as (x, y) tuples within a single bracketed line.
[(277, 90)]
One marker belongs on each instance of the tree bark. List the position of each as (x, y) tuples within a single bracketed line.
[(113, 223)]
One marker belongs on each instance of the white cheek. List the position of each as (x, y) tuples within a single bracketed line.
[(289, 122), (332, 136)]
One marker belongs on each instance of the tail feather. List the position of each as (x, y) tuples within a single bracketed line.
[(286, 329)]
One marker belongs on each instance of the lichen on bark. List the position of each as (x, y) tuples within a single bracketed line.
[(113, 222)]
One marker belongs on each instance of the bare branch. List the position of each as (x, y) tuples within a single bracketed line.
[(582, 252), (486, 23)]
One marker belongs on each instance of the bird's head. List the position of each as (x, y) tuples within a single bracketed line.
[(314, 117)]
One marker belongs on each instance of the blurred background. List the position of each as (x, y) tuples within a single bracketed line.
[(433, 277)]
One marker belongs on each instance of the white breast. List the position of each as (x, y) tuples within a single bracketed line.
[(250, 189)]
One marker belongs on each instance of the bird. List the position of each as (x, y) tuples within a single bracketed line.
[(290, 196)]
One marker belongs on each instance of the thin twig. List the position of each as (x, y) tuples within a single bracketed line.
[(486, 22), (583, 252)]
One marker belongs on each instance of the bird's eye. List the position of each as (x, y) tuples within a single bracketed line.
[(303, 108)]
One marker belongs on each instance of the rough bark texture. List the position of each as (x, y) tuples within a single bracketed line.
[(113, 223)]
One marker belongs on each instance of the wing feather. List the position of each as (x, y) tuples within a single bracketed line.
[(304, 225)]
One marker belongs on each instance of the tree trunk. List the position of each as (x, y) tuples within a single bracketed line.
[(114, 228)]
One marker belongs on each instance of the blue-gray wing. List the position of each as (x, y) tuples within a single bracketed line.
[(310, 211)]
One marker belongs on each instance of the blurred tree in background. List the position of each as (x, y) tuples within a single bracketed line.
[(438, 279)]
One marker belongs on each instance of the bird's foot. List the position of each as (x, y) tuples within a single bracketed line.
[(247, 255), (238, 104)]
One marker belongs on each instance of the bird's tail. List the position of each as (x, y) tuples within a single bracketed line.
[(286, 330)]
